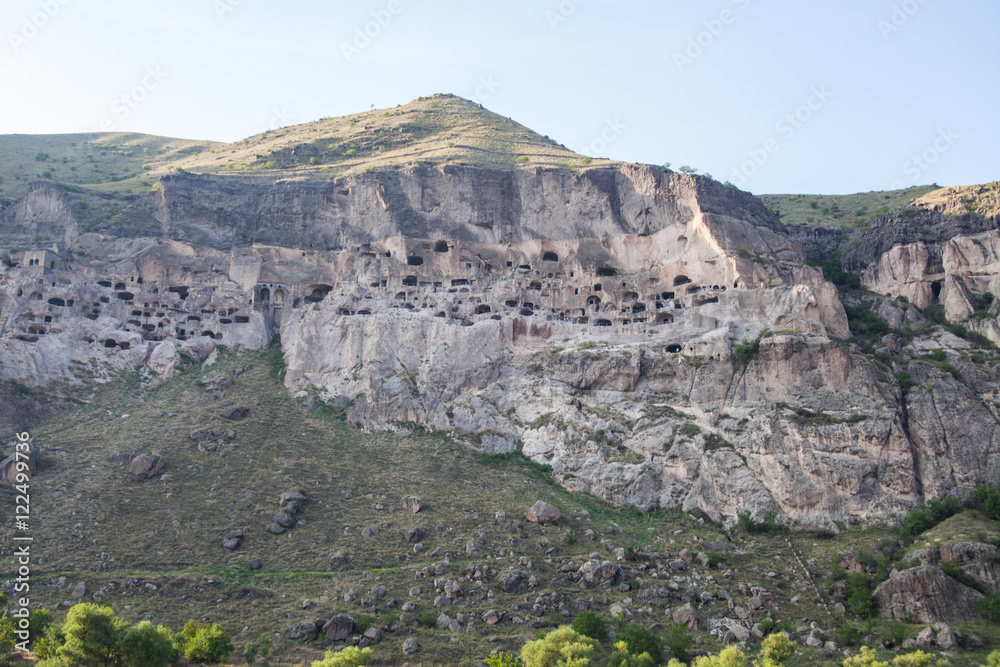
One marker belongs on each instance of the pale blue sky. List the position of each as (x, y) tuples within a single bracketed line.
[(888, 81)]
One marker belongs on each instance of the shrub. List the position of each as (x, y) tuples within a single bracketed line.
[(503, 659), (729, 657), (746, 351), (848, 635), (561, 647), (640, 640), (747, 525), (591, 625), (679, 641), (314, 160), (776, 649), (987, 499), (993, 659), (209, 645), (427, 619), (146, 646), (866, 657), (931, 514), (859, 595), (918, 659), (92, 634), (363, 622), (521, 159), (989, 606), (714, 558), (623, 658), (352, 656)]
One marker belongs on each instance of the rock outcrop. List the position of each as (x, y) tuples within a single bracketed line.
[(926, 595), (599, 318)]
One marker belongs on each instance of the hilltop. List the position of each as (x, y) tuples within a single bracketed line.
[(430, 131)]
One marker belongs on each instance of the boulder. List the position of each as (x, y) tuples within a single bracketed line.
[(339, 628), (275, 529), (8, 468), (292, 497), (542, 512), (232, 543), (594, 573), (410, 646), (492, 617), (145, 466), (338, 560), (413, 535), (236, 413), (411, 503), (284, 520), (302, 632), (509, 581), (927, 595), (689, 617)]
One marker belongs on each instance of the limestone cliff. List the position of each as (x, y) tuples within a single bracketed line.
[(656, 338)]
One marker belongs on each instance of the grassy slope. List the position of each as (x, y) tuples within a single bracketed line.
[(431, 131), (848, 212), (91, 524)]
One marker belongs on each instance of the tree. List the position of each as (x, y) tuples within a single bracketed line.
[(563, 647), (679, 641), (92, 635), (866, 657), (209, 645), (591, 625), (775, 650), (352, 656), (145, 646), (640, 640), (623, 658), (729, 657)]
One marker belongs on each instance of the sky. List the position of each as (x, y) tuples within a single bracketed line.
[(775, 96)]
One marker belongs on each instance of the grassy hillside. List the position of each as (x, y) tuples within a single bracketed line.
[(116, 160), (430, 131), (154, 549), (848, 212)]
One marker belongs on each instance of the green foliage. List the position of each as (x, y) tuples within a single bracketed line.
[(987, 499), (39, 621), (729, 657), (849, 635), (352, 656), (314, 160), (679, 641), (931, 514), (714, 558), (522, 159), (993, 659), (775, 650), (918, 659), (687, 169), (622, 657), (503, 659), (427, 619), (864, 322), (746, 351), (766, 525), (859, 595), (563, 647), (265, 646), (866, 657), (363, 622), (591, 625), (92, 633), (146, 646), (209, 645), (989, 606), (936, 355), (250, 652), (835, 274), (640, 640)]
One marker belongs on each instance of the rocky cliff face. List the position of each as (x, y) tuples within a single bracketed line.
[(653, 337)]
